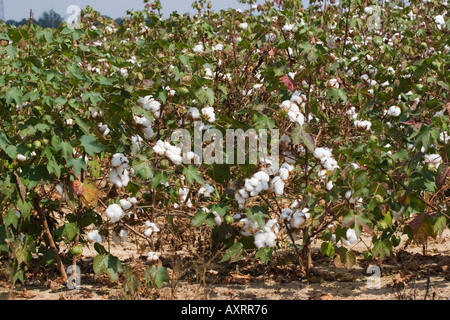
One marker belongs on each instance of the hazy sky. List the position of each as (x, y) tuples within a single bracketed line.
[(18, 9)]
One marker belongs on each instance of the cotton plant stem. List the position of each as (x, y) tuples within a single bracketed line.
[(48, 234)]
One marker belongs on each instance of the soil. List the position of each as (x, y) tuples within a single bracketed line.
[(407, 274)]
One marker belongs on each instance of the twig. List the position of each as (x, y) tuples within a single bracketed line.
[(49, 236)]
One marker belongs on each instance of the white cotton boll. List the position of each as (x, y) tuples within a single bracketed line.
[(254, 182), (114, 212), (394, 111), (329, 185), (94, 236), (21, 157), (218, 47), (193, 113), (270, 239), (243, 25), (136, 140), (115, 179), (175, 158), (217, 219), (198, 48), (444, 137), (322, 152), (287, 166), (208, 112), (119, 160), (329, 164), (159, 150), (351, 238), (148, 132), (260, 239), (148, 232), (124, 176), (348, 194), (125, 204), (278, 185), (295, 204), (262, 176), (284, 173)]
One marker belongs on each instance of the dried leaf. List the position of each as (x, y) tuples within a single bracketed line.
[(22, 189), (288, 82), (240, 278), (90, 194)]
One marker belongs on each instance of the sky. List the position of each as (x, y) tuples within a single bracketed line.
[(19, 9)]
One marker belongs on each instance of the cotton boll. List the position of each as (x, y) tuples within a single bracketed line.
[(115, 179), (119, 160), (394, 111), (148, 132), (284, 173), (21, 157), (329, 185), (322, 152), (125, 204), (94, 236), (217, 219), (260, 239), (114, 212), (278, 185), (351, 238)]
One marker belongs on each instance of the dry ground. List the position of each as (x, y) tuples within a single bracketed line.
[(408, 274)]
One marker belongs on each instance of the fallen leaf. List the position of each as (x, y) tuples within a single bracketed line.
[(240, 278)]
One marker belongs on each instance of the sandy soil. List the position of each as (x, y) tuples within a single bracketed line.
[(408, 274)]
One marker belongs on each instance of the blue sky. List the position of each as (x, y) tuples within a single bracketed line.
[(18, 9)]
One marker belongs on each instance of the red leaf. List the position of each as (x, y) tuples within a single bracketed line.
[(278, 2), (288, 82)]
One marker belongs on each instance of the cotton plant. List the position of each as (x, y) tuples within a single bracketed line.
[(120, 171)]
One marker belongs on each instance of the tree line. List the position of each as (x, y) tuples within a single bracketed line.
[(49, 19)]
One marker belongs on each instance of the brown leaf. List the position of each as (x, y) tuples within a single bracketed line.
[(77, 187), (447, 108), (26, 294), (240, 278), (325, 296), (90, 194), (421, 228), (22, 189), (288, 82)]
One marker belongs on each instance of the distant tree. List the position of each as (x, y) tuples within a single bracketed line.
[(17, 23), (50, 19), (119, 21)]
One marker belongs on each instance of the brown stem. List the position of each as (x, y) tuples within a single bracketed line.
[(43, 218)]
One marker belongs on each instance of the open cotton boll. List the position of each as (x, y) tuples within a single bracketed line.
[(208, 112), (278, 185), (193, 113), (320, 153), (21, 157), (394, 111), (114, 212), (159, 148), (120, 237), (198, 48), (362, 125), (94, 236), (329, 185), (119, 160), (125, 204), (351, 238), (153, 256), (284, 173)]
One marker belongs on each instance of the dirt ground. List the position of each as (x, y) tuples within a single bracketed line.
[(406, 275)]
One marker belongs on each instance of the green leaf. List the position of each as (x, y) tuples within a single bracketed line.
[(192, 174), (382, 249), (91, 146), (100, 249), (11, 218), (108, 263), (234, 253), (199, 219), (68, 231), (77, 165), (258, 215), (160, 177), (219, 172), (33, 175), (327, 249), (14, 94), (157, 276), (265, 254)]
